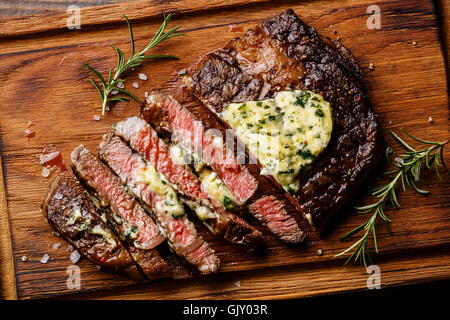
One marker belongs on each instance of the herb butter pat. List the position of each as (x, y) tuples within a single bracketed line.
[(285, 134)]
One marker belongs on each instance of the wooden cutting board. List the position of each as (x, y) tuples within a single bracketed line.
[(41, 80)]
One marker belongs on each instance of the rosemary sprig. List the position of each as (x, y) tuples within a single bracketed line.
[(136, 59), (407, 171)]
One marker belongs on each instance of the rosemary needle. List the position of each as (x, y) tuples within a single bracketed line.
[(407, 172), (136, 59)]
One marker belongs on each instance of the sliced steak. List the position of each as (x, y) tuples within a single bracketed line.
[(133, 226), (144, 139), (69, 210), (272, 213), (167, 114), (284, 53), (181, 233)]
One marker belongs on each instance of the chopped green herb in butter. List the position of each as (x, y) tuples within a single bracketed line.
[(159, 185), (287, 134)]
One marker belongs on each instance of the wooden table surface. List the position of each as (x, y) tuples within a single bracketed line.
[(23, 7)]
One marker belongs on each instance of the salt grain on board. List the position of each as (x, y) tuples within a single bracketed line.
[(58, 195), (45, 172), (97, 118), (114, 91), (45, 258), (120, 85), (75, 257), (56, 246), (69, 247), (143, 76), (136, 85)]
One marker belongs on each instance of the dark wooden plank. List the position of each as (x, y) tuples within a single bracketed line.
[(109, 14), (10, 8), (42, 81)]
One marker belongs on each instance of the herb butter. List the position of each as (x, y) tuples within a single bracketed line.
[(160, 186), (285, 134)]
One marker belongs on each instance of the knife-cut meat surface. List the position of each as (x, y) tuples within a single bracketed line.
[(128, 219), (181, 233), (283, 53), (166, 115), (69, 210), (144, 139), (169, 115), (272, 213)]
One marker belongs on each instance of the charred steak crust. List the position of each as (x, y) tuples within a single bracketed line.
[(65, 195), (309, 62)]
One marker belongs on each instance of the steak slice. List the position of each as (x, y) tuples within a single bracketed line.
[(69, 210), (282, 53), (130, 222), (144, 139), (181, 233), (272, 213), (169, 115)]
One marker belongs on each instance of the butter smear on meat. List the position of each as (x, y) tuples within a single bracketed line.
[(285, 134), (158, 185)]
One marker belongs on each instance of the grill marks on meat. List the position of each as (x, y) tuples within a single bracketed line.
[(66, 199), (272, 213), (167, 114), (144, 139), (124, 214), (180, 232), (284, 52)]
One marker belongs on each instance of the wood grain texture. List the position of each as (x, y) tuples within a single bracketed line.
[(43, 81), (10, 8), (7, 275), (92, 17)]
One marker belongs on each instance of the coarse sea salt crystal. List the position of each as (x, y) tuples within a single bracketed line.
[(75, 256), (58, 196), (69, 247), (44, 258), (135, 84), (56, 245), (45, 172), (143, 76), (146, 94), (120, 85), (97, 118), (114, 91), (237, 284), (56, 233)]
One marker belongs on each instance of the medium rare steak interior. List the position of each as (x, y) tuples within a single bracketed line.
[(284, 53)]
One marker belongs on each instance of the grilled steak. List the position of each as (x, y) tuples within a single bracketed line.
[(144, 139), (284, 53), (133, 226), (180, 232), (272, 213), (69, 210), (167, 114)]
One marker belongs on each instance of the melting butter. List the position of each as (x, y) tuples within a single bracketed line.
[(160, 186), (285, 134)]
